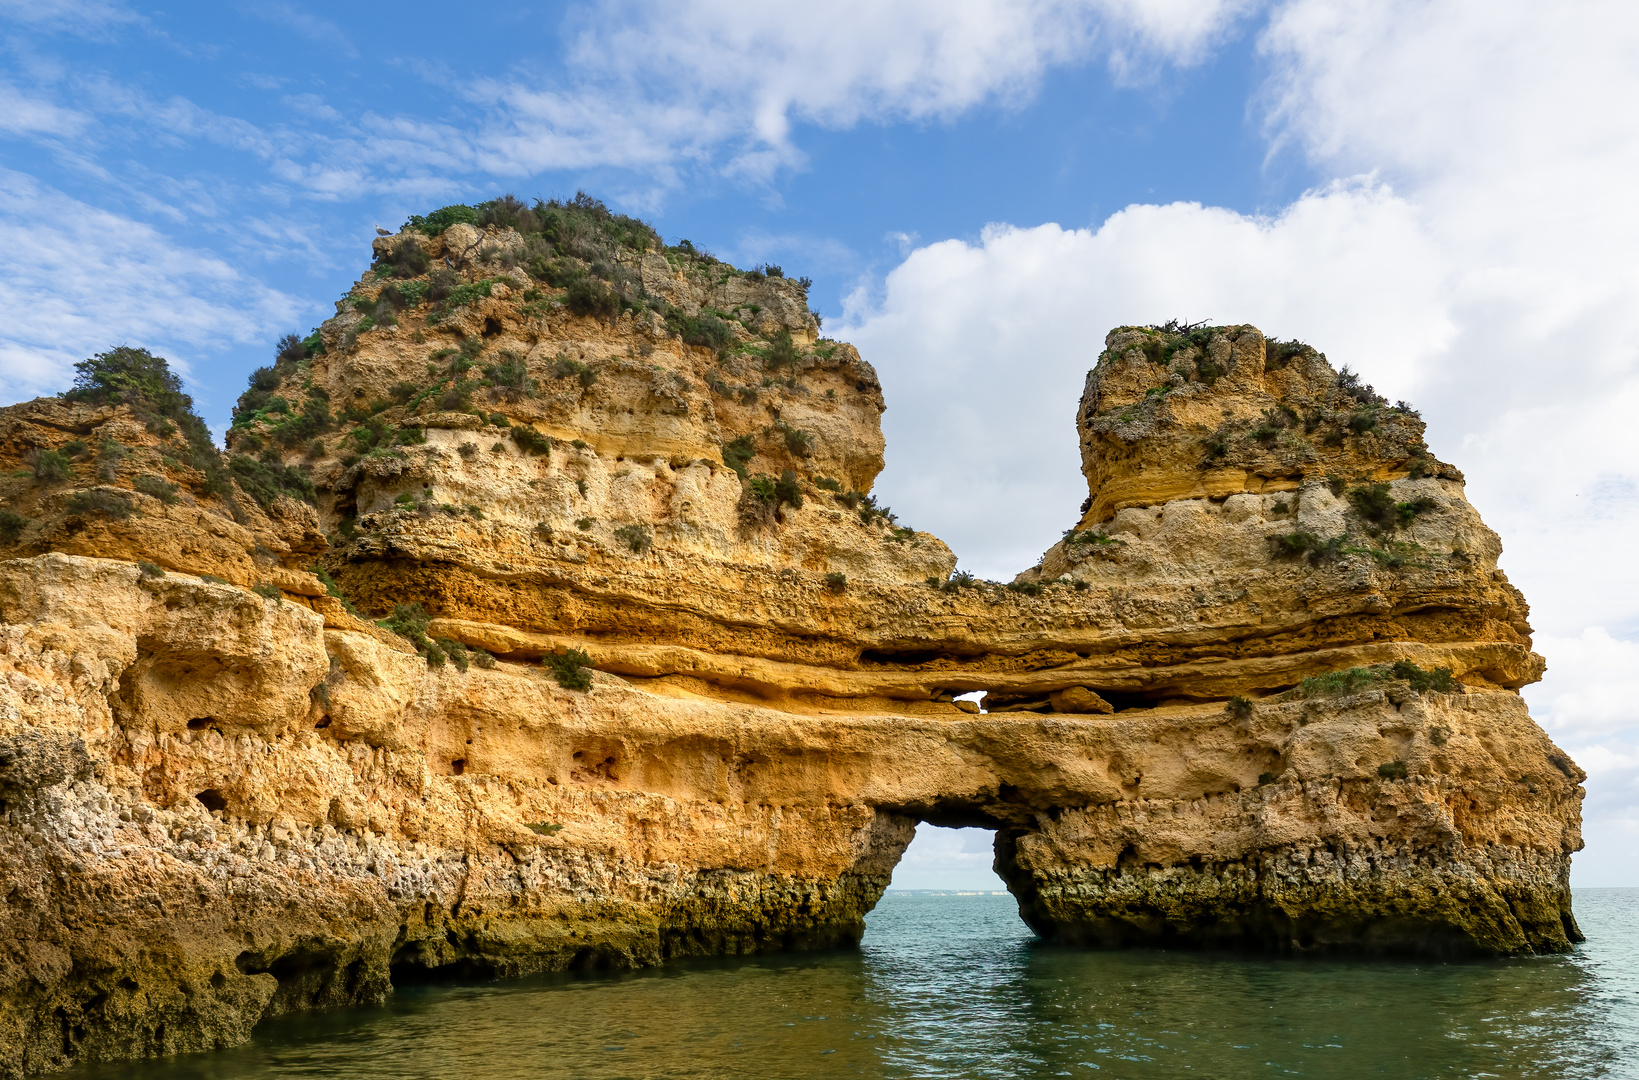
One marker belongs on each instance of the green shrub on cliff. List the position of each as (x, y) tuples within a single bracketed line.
[(782, 351), (572, 669), (410, 621), (51, 467), (1377, 507), (12, 525), (1440, 680), (265, 481), (530, 441), (100, 502), (564, 367), (157, 487), (785, 491), (436, 222), (1350, 680), (737, 453), (635, 537), (1306, 545)]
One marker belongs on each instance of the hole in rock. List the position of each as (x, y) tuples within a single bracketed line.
[(949, 860), (212, 799), (945, 884), (200, 723), (492, 327), (458, 766)]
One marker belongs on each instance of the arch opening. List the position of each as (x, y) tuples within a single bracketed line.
[(946, 873)]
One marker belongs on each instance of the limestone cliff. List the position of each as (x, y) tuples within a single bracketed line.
[(539, 617)]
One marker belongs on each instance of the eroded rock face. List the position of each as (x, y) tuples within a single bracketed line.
[(1263, 694)]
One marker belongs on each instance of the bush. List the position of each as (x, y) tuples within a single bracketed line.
[(798, 442), (825, 483), (441, 284), (302, 427), (290, 351), (1439, 680), (1348, 383), (585, 524), (268, 591), (406, 259), (109, 456), (530, 441), (436, 222), (782, 352), (458, 398), (51, 467), (157, 486), (636, 537), (737, 453), (1392, 770), (1406, 512), (410, 621), (483, 658), (785, 491), (1278, 354), (1239, 707), (149, 570), (572, 669), (1375, 505), (508, 212), (836, 581), (455, 651), (563, 367), (704, 330), (265, 481), (591, 297), (1362, 421), (869, 511), (1338, 682), (100, 502), (1306, 545), (12, 525), (510, 374)]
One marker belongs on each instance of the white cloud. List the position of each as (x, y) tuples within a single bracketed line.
[(955, 859), (1484, 272), (983, 348), (78, 16), (22, 114), (658, 84), (80, 279)]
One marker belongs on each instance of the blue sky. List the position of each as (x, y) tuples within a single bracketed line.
[(263, 134), (1438, 193)]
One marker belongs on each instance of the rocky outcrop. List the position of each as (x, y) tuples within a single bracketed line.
[(539, 618)]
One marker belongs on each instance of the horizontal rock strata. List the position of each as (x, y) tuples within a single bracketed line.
[(280, 728)]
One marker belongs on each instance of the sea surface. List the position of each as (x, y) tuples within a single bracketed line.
[(956, 986)]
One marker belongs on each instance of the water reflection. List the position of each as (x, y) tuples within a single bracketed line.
[(955, 987)]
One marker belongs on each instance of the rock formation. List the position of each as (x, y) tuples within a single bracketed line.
[(539, 617)]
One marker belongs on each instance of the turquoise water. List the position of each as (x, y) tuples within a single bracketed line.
[(954, 986)]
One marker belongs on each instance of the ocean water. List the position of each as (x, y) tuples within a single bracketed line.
[(955, 986)]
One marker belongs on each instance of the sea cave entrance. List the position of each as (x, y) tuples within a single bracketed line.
[(945, 883)]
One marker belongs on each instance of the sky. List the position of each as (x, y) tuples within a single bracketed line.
[(1439, 194)]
